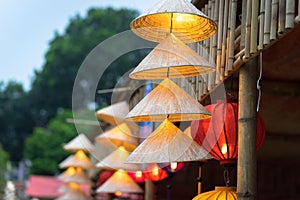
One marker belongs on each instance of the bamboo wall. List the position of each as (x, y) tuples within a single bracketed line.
[(245, 28)]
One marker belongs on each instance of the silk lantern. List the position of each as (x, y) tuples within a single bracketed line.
[(219, 134)]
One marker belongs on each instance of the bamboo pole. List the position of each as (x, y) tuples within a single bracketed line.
[(228, 43), (220, 36), (267, 24), (246, 170), (199, 179), (197, 84), (237, 31), (261, 25), (248, 29), (274, 13), (290, 13), (212, 58), (205, 55), (224, 39), (201, 90), (149, 190), (243, 24), (297, 19), (232, 36), (200, 50), (281, 20), (254, 26), (237, 42), (215, 40), (210, 83), (240, 54), (194, 46)]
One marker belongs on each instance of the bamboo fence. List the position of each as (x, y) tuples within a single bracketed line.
[(245, 28)]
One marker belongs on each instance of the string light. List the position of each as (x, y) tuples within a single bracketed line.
[(173, 166)]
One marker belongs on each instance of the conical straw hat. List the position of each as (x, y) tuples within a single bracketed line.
[(167, 144), (167, 100), (171, 58), (81, 142), (121, 135), (116, 159), (114, 114), (74, 175), (120, 182), (74, 192), (78, 160), (178, 16), (220, 193)]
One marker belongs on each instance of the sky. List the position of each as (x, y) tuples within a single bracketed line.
[(27, 26)]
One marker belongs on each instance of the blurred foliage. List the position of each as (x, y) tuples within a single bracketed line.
[(15, 119), (53, 85), (24, 113), (44, 148), (4, 157)]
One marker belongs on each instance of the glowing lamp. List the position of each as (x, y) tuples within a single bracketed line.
[(219, 134), (173, 166), (180, 17), (220, 193)]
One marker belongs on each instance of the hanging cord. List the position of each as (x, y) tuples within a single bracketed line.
[(226, 177), (228, 168), (258, 82), (171, 25)]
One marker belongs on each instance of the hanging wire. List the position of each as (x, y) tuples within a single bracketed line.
[(226, 177), (258, 82), (171, 26)]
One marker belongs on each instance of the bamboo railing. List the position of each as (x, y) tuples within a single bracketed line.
[(242, 33)]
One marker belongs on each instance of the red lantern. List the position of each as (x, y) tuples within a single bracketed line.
[(153, 172), (104, 176), (219, 134)]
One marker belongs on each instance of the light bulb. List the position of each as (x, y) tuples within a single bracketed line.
[(155, 171), (224, 149), (118, 194), (179, 18), (173, 166), (138, 174)]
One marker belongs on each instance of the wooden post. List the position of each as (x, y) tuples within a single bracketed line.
[(149, 190), (199, 179), (246, 170)]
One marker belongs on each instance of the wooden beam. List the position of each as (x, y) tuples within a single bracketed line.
[(149, 190), (246, 170)]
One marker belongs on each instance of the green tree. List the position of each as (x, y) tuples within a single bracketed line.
[(53, 85), (15, 119), (4, 157), (44, 147)]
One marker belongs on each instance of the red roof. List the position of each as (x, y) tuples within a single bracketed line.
[(43, 187)]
